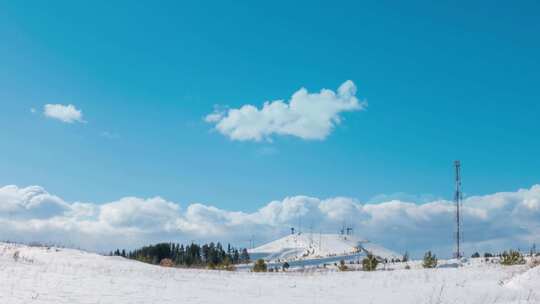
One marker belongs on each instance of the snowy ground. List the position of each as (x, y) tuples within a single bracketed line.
[(41, 275)]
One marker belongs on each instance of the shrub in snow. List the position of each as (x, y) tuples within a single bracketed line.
[(475, 255), (166, 263), (430, 260), (512, 257), (260, 266), (342, 266), (226, 264), (285, 266), (369, 263), (16, 255), (407, 267)]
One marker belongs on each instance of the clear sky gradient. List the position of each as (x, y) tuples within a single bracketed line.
[(443, 81)]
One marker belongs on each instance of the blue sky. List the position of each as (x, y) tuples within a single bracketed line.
[(442, 81)]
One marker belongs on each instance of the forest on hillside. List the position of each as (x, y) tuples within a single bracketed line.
[(211, 255)]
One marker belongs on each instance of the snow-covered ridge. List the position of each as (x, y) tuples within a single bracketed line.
[(57, 275), (316, 246)]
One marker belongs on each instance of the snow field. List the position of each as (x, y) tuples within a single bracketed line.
[(41, 275)]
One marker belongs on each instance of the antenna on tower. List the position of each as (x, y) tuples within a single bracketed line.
[(458, 196), (299, 222)]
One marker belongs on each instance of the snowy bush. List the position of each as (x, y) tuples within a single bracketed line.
[(260, 266), (512, 257), (342, 266), (369, 263), (430, 260), (16, 255)]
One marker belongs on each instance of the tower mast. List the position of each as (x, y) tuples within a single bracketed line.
[(458, 196)]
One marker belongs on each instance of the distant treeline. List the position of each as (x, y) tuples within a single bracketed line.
[(208, 255)]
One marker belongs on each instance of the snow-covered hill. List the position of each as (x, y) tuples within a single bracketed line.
[(50, 275), (309, 246)]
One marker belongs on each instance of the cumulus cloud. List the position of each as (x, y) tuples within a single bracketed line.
[(491, 222), (64, 113), (30, 203), (310, 116)]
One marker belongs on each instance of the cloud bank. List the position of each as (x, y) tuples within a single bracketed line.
[(310, 116), (491, 222), (63, 113)]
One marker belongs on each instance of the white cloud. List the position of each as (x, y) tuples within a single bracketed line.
[(491, 222), (64, 113), (310, 116), (150, 214), (30, 203)]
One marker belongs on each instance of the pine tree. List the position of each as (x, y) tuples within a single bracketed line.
[(236, 256), (181, 258), (369, 263), (430, 260), (244, 256)]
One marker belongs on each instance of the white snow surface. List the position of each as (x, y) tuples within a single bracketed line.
[(316, 245), (526, 281), (57, 275)]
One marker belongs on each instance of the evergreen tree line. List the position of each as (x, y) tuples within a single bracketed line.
[(208, 255)]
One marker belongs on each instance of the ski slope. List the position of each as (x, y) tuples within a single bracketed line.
[(52, 275), (311, 246)]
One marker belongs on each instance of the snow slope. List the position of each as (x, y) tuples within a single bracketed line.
[(528, 280), (49, 275), (316, 246)]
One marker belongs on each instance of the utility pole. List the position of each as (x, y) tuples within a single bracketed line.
[(458, 196), (252, 241)]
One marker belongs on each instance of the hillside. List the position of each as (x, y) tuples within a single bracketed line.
[(316, 246), (56, 275)]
